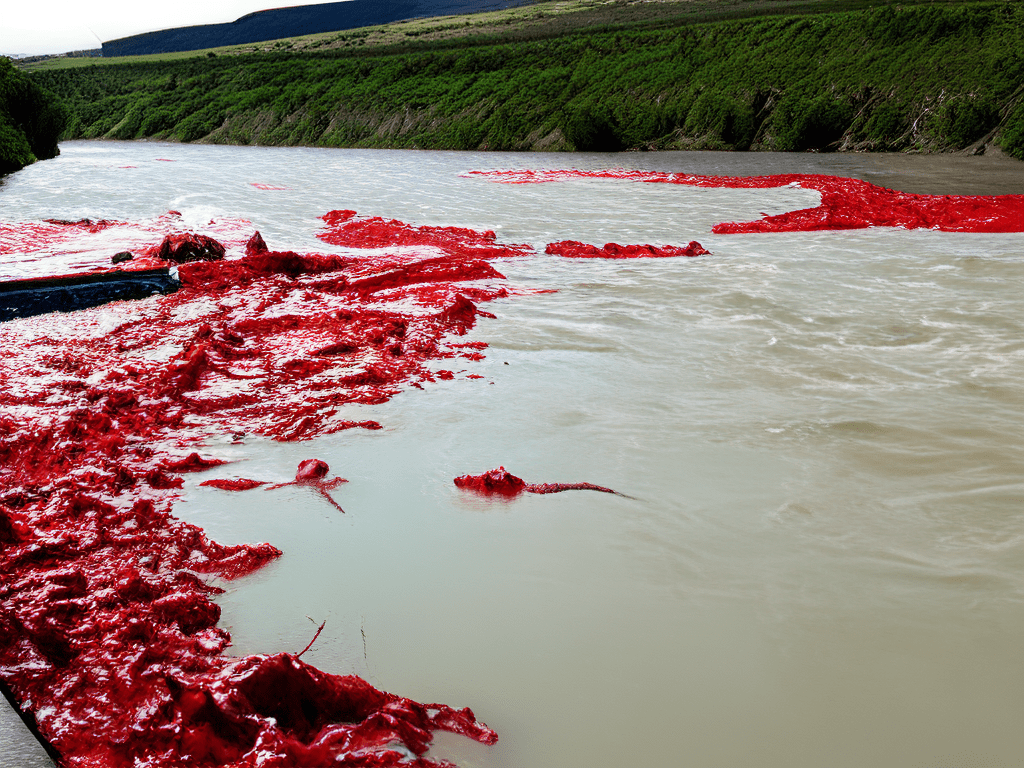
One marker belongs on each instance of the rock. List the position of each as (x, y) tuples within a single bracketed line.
[(188, 247), (256, 245)]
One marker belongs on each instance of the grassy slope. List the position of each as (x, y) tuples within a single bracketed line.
[(544, 19), (932, 76)]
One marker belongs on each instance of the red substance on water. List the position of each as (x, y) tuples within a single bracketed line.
[(495, 481), (312, 472), (501, 482), (192, 463), (845, 203), (239, 484), (559, 487), (107, 630), (577, 250), (60, 247), (346, 229)]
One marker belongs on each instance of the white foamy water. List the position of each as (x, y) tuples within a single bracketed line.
[(824, 561)]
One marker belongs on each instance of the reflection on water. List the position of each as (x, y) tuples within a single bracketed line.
[(823, 564)]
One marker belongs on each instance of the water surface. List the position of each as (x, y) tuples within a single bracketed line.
[(823, 563)]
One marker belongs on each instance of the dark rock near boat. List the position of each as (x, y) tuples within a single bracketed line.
[(189, 246)]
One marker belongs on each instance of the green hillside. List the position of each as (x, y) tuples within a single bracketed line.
[(935, 76), (31, 120)]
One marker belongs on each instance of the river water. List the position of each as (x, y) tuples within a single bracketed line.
[(823, 564)]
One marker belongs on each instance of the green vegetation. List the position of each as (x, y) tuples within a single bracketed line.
[(932, 76), (30, 120)]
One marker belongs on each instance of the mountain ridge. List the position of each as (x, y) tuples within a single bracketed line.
[(278, 23)]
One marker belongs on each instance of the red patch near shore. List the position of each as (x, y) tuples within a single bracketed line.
[(107, 630)]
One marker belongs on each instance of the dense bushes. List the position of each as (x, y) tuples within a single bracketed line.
[(719, 118), (887, 125), (938, 76), (965, 120), (815, 122), (31, 120), (1012, 139), (589, 127)]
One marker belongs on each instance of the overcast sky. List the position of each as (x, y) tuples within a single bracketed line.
[(59, 26)]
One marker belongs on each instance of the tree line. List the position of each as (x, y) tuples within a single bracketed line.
[(31, 120)]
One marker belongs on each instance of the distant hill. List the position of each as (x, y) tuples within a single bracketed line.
[(292, 22)]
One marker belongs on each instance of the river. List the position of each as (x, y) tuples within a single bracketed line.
[(823, 559)]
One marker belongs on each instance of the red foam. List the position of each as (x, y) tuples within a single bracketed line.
[(107, 630), (845, 203), (58, 247)]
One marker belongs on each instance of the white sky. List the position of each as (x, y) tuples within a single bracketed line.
[(59, 26)]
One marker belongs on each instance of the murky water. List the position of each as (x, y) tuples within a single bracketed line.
[(824, 564)]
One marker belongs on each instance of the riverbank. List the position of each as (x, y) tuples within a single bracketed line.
[(912, 78)]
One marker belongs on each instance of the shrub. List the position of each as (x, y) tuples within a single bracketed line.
[(641, 124), (591, 128), (886, 124), (468, 134), (15, 152), (1012, 139), (156, 121), (801, 123), (197, 126), (129, 127), (31, 120), (963, 121), (723, 118)]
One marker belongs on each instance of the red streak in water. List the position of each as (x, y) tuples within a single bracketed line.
[(845, 203), (501, 482), (577, 250), (239, 484), (374, 232), (107, 630)]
